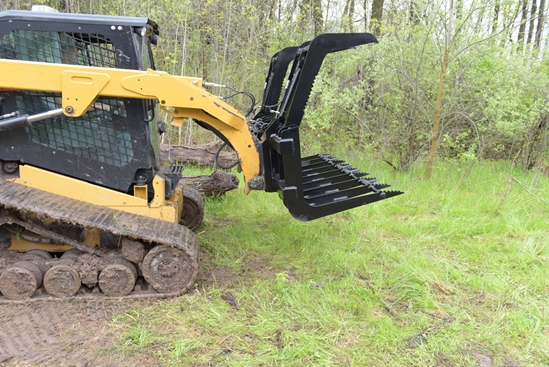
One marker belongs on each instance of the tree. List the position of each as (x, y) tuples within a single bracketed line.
[(348, 13), (438, 105), (312, 10), (377, 16), (531, 32), (495, 21), (541, 22), (522, 27)]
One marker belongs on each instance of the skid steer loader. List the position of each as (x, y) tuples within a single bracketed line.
[(80, 176)]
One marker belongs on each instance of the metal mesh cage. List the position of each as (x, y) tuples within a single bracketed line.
[(59, 47), (92, 135)]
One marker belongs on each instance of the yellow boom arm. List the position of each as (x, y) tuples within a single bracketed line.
[(181, 97)]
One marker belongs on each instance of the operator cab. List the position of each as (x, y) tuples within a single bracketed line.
[(115, 144)]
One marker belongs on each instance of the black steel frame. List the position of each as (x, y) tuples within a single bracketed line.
[(315, 186)]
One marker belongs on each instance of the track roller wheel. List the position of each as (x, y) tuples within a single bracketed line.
[(39, 258), (193, 208), (44, 255), (118, 278), (169, 269), (20, 280), (71, 254), (62, 280)]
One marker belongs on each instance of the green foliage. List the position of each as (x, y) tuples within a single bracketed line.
[(509, 96), (492, 96), (452, 268)]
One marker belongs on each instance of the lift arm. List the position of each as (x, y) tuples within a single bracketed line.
[(181, 97)]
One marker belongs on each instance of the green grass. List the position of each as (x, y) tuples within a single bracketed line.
[(456, 266)]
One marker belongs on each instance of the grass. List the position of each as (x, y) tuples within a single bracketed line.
[(453, 269)]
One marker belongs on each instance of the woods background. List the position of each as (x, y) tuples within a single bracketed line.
[(472, 74)]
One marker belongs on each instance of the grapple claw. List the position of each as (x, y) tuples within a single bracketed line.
[(318, 185)]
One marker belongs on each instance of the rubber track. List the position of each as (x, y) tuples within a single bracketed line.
[(21, 198)]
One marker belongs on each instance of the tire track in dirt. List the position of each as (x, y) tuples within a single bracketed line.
[(53, 333), (27, 328)]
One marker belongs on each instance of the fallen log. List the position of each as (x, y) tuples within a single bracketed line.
[(204, 156), (198, 155), (215, 184)]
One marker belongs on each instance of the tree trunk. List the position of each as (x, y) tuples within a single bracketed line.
[(522, 28), (459, 9), (318, 19), (217, 183), (291, 12), (377, 15), (202, 32), (198, 155), (495, 21), (479, 23), (436, 121), (532, 21), (345, 11), (534, 145), (541, 21), (351, 14), (438, 106), (347, 19), (272, 11), (311, 10), (416, 12)]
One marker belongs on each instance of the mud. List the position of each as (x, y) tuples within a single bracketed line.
[(62, 280), (75, 332), (20, 280), (118, 280), (60, 333), (132, 250), (89, 267), (7, 258), (78, 274)]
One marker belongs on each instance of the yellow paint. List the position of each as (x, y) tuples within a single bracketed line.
[(159, 208), (80, 90), (184, 96), (20, 244), (159, 186), (141, 192)]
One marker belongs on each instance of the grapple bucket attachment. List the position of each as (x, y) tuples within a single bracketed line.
[(315, 186)]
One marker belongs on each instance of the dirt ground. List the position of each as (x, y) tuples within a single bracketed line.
[(56, 332)]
